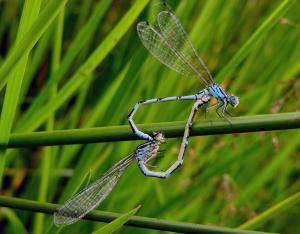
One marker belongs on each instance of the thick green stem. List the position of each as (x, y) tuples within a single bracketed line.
[(135, 221), (170, 129)]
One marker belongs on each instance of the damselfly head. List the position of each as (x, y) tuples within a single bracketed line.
[(234, 101), (158, 136)]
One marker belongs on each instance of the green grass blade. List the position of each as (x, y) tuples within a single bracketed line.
[(87, 68), (117, 223), (258, 35), (11, 98), (265, 216), (35, 63), (15, 222), (49, 151), (269, 171), (77, 45), (30, 38)]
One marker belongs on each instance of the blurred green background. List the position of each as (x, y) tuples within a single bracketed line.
[(225, 179)]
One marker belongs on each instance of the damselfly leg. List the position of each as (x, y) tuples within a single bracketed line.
[(208, 113)]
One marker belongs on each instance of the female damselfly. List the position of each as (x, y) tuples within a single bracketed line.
[(90, 197)]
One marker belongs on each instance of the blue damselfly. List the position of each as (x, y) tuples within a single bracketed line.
[(169, 43)]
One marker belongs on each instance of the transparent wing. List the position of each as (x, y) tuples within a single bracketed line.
[(159, 47), (89, 198), (177, 38)]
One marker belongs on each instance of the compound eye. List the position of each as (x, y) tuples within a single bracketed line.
[(234, 100)]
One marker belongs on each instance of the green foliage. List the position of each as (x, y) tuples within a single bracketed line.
[(15, 224), (116, 224), (272, 212), (81, 65)]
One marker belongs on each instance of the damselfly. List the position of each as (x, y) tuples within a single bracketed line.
[(90, 197), (169, 43)]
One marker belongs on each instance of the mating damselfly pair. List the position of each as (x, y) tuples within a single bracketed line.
[(169, 43), (90, 197)]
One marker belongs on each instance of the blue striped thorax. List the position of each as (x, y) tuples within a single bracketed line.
[(219, 93), (216, 91)]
